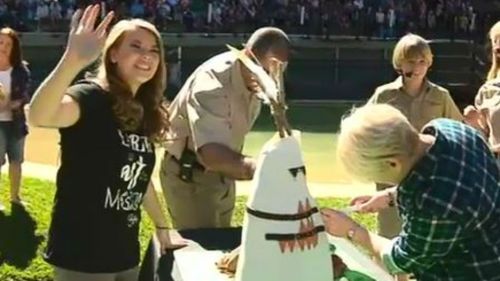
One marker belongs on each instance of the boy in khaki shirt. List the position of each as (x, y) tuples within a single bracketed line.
[(210, 118), (417, 98)]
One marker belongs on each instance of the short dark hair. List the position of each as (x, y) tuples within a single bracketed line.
[(267, 39)]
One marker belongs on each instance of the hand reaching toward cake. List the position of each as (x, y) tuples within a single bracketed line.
[(476, 118), (373, 203), (170, 242), (228, 263)]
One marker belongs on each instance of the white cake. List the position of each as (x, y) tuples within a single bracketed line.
[(283, 235)]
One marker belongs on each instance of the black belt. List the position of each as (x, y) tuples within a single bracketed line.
[(196, 165), (282, 217)]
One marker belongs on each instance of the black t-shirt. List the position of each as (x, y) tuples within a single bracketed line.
[(102, 180)]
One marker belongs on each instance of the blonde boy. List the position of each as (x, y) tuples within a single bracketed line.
[(447, 192), (417, 98)]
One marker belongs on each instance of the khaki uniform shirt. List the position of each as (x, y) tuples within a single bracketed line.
[(433, 102), (213, 106), (488, 97)]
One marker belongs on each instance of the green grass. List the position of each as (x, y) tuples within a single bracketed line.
[(23, 234)]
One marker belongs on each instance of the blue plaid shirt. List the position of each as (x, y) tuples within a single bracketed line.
[(450, 206)]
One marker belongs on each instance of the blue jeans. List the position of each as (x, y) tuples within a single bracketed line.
[(11, 144)]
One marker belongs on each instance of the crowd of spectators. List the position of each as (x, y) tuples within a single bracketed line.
[(371, 18)]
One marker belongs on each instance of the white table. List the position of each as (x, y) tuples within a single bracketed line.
[(194, 263)]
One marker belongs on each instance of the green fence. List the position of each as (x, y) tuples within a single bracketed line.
[(343, 72)]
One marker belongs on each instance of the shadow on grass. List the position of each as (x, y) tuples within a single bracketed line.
[(18, 241)]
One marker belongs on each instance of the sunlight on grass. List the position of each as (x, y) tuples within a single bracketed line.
[(319, 125), (22, 240), (23, 234), (318, 150)]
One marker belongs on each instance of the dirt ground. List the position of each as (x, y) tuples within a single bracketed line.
[(42, 146)]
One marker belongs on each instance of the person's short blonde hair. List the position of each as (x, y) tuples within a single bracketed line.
[(409, 47), (371, 135)]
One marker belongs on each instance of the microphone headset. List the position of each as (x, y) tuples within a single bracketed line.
[(405, 74)]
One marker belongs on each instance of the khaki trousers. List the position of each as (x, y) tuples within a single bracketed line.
[(207, 202), (389, 221)]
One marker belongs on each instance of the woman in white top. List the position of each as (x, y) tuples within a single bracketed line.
[(14, 94)]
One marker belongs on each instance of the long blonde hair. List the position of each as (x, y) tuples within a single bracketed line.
[(147, 110), (495, 60)]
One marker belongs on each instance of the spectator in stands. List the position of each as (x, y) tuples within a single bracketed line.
[(431, 20), (188, 19), (163, 15), (15, 92), (173, 3), (31, 9), (436, 18), (137, 9), (55, 12), (380, 18), (108, 124), (472, 22), (4, 9), (69, 13), (122, 10), (369, 22), (42, 14), (391, 19)]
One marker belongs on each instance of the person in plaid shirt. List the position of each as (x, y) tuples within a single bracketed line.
[(447, 194)]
